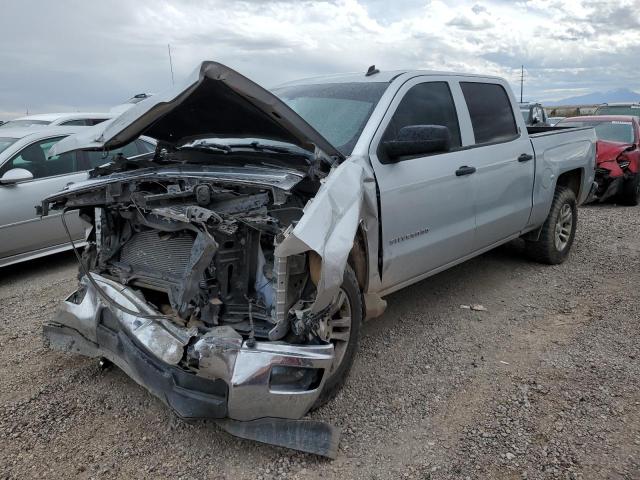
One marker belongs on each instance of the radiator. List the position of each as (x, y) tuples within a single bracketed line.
[(148, 252)]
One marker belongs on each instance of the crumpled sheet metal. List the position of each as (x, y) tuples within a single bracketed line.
[(330, 222)]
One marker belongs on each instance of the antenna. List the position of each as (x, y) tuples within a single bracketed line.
[(521, 81), (170, 63)]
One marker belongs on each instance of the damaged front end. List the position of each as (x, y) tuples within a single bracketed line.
[(614, 168), (181, 288), (215, 274)]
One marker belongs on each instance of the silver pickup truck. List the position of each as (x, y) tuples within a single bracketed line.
[(229, 272)]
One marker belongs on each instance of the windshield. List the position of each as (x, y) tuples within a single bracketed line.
[(618, 110), (338, 111), (613, 131), (24, 123), (5, 142)]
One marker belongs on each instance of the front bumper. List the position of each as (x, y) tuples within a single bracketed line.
[(231, 379)]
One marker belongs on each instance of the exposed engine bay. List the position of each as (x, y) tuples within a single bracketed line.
[(202, 253)]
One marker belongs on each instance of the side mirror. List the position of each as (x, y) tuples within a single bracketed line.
[(418, 140), (15, 175)]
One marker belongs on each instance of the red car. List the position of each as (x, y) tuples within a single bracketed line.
[(618, 155)]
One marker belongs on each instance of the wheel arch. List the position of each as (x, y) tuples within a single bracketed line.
[(571, 179)]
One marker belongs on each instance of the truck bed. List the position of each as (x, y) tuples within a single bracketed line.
[(559, 150)]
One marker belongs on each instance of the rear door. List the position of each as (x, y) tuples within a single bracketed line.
[(503, 158), (427, 212), (21, 230)]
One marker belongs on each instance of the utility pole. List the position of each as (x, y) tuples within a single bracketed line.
[(170, 63), (521, 81)]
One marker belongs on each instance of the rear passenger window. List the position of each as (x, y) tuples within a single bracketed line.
[(74, 123), (490, 110), (427, 103), (95, 121)]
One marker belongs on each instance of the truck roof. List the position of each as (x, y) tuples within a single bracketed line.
[(381, 76)]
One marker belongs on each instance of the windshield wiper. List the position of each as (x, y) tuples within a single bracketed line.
[(257, 146), (271, 148), (208, 146)]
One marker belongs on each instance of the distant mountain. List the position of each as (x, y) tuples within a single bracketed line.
[(617, 95)]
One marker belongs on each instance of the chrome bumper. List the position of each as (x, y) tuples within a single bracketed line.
[(149, 351)]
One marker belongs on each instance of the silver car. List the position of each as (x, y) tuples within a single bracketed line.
[(27, 175)]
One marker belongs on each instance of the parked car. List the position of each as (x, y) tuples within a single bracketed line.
[(27, 176), (618, 155), (623, 108), (533, 114), (553, 121), (231, 277), (58, 119)]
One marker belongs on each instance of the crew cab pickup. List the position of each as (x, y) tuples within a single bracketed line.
[(229, 272)]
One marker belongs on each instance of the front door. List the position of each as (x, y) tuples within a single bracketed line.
[(427, 211)]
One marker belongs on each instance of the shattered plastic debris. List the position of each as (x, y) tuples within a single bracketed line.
[(476, 307)]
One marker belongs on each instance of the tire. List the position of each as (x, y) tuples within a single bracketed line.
[(340, 372), (556, 236), (631, 191)]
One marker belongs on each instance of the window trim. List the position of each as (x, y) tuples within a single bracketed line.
[(516, 136), (393, 107)]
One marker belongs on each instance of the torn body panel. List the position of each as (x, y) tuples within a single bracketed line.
[(345, 201)]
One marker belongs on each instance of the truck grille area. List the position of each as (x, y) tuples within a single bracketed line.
[(149, 252)]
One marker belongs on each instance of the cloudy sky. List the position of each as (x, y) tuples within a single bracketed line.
[(73, 55)]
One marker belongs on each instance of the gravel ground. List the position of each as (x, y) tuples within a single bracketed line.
[(544, 384)]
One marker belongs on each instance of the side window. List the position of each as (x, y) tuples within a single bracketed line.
[(543, 116), (75, 123), (490, 110), (93, 159), (145, 147), (34, 158), (429, 103), (95, 121)]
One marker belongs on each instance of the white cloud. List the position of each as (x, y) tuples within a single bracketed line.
[(87, 55)]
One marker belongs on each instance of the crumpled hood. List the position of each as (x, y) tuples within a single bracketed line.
[(215, 101), (608, 151)]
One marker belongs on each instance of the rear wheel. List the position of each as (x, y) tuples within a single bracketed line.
[(558, 231), (631, 191), (342, 328)]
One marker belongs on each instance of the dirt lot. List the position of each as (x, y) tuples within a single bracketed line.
[(544, 384)]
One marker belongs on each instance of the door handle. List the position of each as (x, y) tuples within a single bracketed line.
[(525, 157), (464, 170)]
